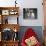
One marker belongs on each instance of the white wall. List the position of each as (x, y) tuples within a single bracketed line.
[(32, 4), (26, 4)]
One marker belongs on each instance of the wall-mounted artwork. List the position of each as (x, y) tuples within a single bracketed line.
[(30, 13)]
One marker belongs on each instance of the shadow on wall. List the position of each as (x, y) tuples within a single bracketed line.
[(37, 29)]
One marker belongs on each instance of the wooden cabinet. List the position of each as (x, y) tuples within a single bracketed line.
[(9, 25), (10, 43), (7, 13)]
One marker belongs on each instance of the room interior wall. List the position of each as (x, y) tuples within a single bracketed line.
[(36, 29), (26, 4), (23, 22)]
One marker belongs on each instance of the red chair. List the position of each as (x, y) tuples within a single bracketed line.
[(29, 33)]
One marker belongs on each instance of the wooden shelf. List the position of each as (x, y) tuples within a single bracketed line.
[(9, 43), (11, 26), (9, 9), (5, 8), (4, 13)]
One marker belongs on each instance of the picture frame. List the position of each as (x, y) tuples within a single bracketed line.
[(5, 12), (30, 13)]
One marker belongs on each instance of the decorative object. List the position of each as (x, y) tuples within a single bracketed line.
[(5, 12), (15, 37), (15, 3), (13, 12), (15, 30), (5, 19), (30, 13), (7, 34)]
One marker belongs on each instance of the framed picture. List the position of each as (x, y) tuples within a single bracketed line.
[(5, 12), (30, 13)]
